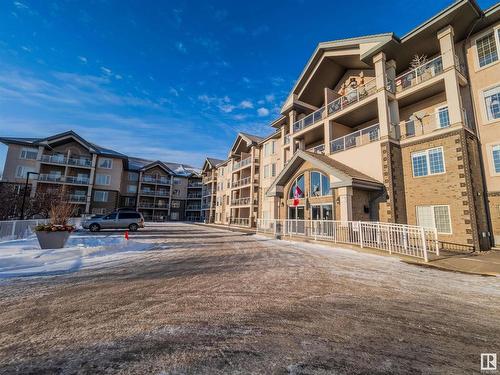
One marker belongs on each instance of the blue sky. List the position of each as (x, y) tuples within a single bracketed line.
[(170, 80)]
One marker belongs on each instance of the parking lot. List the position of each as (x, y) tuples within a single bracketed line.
[(206, 300)]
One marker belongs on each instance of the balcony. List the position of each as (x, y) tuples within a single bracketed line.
[(156, 181), (243, 182), (50, 178), (319, 149), (354, 96), (309, 120), (194, 196), (287, 139), (358, 138), (418, 75), (243, 163), (153, 205), (246, 201), (193, 207), (195, 184), (242, 221), (62, 160), (78, 180), (77, 198), (156, 193)]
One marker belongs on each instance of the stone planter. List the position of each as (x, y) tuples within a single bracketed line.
[(52, 240)]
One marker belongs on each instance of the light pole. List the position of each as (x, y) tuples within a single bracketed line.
[(25, 190)]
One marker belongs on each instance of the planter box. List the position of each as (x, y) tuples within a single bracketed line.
[(52, 240)]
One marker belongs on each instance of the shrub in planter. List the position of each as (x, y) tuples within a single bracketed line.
[(55, 234)]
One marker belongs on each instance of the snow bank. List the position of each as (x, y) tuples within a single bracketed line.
[(25, 258)]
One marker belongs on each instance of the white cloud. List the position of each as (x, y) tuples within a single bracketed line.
[(277, 81), (239, 117), (245, 104), (117, 76), (173, 91), (20, 5), (246, 79), (106, 71), (270, 98), (260, 30), (83, 59), (227, 108), (263, 112), (181, 47)]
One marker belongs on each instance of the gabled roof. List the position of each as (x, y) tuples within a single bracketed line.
[(251, 140), (157, 163), (211, 163), (343, 174)]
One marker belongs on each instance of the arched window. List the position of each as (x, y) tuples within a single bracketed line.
[(320, 184), (300, 182)]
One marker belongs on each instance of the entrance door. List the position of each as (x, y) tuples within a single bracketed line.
[(296, 223)]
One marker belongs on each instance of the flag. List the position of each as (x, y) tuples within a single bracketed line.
[(297, 194)]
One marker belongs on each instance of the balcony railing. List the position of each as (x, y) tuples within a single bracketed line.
[(320, 149), (194, 196), (246, 201), (158, 193), (153, 205), (77, 198), (243, 221), (243, 163), (62, 160), (193, 218), (287, 139), (193, 207), (421, 74), (77, 180), (309, 120), (243, 182), (154, 180), (195, 184), (358, 138), (352, 97), (50, 177)]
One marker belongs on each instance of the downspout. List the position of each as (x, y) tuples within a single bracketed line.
[(481, 159)]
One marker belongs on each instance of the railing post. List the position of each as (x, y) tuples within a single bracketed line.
[(360, 234), (315, 230), (13, 228), (436, 241), (424, 245), (389, 239)]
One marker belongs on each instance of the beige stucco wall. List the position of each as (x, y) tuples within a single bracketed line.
[(13, 160), (115, 172)]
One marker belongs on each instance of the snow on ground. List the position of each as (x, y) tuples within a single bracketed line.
[(25, 258)]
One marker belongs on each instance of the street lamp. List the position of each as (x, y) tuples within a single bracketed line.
[(24, 193)]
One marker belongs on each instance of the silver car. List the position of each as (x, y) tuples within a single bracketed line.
[(131, 220)]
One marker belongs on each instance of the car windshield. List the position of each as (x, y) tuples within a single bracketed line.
[(110, 216)]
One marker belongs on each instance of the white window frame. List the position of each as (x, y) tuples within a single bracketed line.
[(434, 216), (484, 110), (105, 196), (133, 190), (24, 171), (273, 169), (495, 30), (107, 179), (426, 152), (105, 160), (25, 150), (438, 119)]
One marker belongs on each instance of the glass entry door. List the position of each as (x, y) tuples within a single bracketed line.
[(296, 220)]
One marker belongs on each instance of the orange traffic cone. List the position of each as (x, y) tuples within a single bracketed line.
[(126, 234)]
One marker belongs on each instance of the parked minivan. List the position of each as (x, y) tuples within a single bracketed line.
[(121, 219)]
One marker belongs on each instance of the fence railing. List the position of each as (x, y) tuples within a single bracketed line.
[(408, 240), (420, 74), (21, 229), (240, 221)]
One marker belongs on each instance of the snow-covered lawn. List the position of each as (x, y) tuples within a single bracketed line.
[(25, 258)]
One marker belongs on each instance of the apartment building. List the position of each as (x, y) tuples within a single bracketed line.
[(391, 129), (98, 180), (209, 189)]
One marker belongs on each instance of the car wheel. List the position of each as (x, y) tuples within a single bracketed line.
[(133, 227), (94, 227)]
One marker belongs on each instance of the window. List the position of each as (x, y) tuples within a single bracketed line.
[(300, 182), (177, 181), (129, 201), (428, 162), (29, 153), (102, 179), (98, 210), (270, 148), (273, 170), (111, 216), (176, 204), (129, 215), (105, 163), (176, 192), (133, 176), (435, 217), (443, 118), (22, 171), (487, 52), (492, 103), (320, 184), (496, 158), (132, 189), (100, 196)]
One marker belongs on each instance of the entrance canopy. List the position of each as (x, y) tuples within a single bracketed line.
[(340, 174)]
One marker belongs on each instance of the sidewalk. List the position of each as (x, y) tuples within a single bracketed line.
[(480, 263)]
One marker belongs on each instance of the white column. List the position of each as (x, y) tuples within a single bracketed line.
[(345, 196), (382, 99)]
